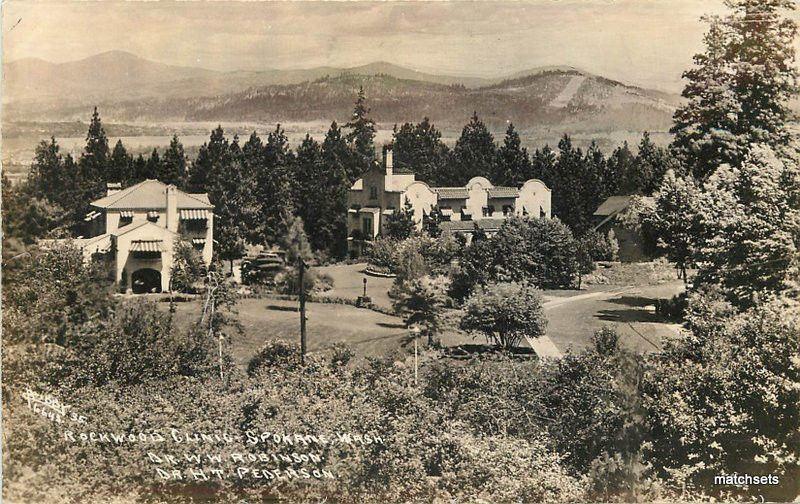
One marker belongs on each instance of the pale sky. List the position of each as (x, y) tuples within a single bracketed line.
[(644, 42)]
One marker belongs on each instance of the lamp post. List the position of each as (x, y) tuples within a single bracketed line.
[(415, 330)]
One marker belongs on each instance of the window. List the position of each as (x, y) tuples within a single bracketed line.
[(488, 211), (373, 192), (366, 227), (508, 210), (152, 216)]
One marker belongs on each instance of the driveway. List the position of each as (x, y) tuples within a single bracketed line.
[(629, 310)]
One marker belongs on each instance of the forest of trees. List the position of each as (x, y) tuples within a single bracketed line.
[(258, 184)]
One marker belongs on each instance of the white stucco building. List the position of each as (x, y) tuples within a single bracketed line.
[(381, 191), (136, 229)]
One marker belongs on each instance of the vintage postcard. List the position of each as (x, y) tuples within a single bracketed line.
[(394, 251)]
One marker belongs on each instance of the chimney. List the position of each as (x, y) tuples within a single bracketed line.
[(113, 187), (387, 159), (172, 208)]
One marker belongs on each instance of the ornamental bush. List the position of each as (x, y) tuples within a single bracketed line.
[(541, 252), (505, 313)]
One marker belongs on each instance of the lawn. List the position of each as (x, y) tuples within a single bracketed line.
[(369, 333), (573, 316)]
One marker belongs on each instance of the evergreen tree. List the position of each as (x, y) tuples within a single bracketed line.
[(253, 162), (619, 167), (596, 168), (94, 161), (295, 242), (308, 192), (119, 165), (652, 162), (273, 187), (46, 178), (739, 90), (230, 190), (749, 220), (432, 221), (361, 136), (475, 154), (573, 170), (172, 169), (674, 220), (419, 148), (153, 165), (513, 163), (543, 164), (138, 169), (335, 155), (400, 224), (211, 154)]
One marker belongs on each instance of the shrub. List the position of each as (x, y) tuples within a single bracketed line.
[(673, 308), (187, 268), (599, 246), (381, 253), (274, 353), (288, 281), (737, 381), (537, 251), (421, 302), (505, 313)]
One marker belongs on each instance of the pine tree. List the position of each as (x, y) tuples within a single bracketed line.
[(273, 187), (46, 177), (543, 164), (432, 221), (94, 160), (400, 224), (619, 167), (231, 190), (211, 154), (308, 193), (739, 89), (138, 169), (335, 155), (119, 166), (362, 135), (513, 163), (173, 165), (651, 163), (475, 154), (153, 165), (419, 148)]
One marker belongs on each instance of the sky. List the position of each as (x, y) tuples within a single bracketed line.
[(642, 42)]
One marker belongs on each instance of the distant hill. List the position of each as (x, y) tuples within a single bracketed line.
[(120, 75), (132, 89)]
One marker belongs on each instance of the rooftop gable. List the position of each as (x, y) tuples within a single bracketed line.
[(613, 205), (150, 194)]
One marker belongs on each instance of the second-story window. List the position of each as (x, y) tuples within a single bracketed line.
[(373, 192), (152, 216)]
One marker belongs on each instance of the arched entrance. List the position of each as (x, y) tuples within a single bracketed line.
[(146, 280)]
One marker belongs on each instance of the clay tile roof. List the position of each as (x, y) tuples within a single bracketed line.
[(503, 192), (451, 192)]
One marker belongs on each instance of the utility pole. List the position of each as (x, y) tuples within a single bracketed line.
[(302, 267)]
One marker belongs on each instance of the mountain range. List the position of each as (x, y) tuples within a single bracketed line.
[(128, 88)]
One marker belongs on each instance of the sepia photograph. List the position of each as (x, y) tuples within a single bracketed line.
[(400, 251)]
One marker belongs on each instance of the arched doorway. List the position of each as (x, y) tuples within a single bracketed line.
[(146, 280)]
